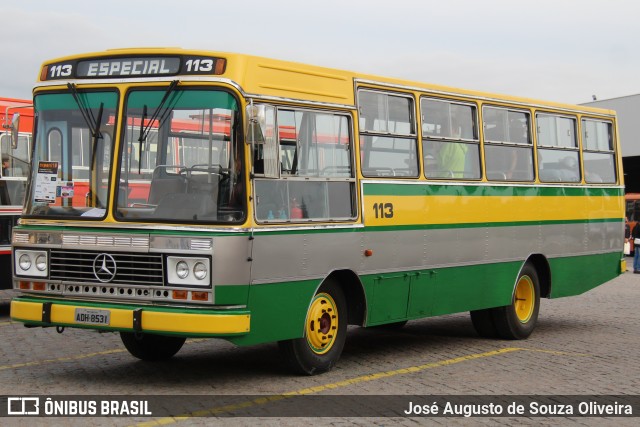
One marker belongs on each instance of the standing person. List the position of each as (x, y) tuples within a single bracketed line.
[(635, 236), (627, 229), (5, 166), (627, 235)]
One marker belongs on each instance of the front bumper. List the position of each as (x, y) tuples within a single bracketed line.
[(190, 322)]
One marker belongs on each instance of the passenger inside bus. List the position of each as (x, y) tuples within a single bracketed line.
[(5, 166), (452, 156)]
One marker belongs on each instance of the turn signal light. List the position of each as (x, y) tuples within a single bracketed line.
[(180, 294), (39, 286), (200, 296), (221, 64), (25, 285), (43, 73)]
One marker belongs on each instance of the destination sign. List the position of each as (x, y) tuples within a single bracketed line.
[(133, 67), (128, 67)]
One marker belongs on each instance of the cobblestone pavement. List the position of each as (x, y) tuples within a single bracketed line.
[(583, 345)]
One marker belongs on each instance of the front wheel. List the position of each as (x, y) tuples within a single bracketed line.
[(517, 320), (325, 332), (151, 347)]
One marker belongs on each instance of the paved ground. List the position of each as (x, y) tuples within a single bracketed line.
[(583, 345)]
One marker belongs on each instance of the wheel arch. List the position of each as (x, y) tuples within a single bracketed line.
[(541, 264), (353, 290)]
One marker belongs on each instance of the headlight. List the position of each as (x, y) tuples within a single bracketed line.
[(25, 262), (31, 263), (182, 270), (187, 271), (41, 262), (200, 271)]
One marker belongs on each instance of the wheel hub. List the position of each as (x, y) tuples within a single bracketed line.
[(322, 323), (524, 299)]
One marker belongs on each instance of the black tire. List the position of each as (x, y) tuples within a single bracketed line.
[(518, 320), (483, 323), (151, 347), (319, 350)]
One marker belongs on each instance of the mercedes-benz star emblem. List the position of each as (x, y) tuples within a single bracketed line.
[(104, 268)]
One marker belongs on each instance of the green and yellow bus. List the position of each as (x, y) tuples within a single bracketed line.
[(256, 200)]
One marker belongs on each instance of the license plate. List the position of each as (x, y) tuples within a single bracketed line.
[(92, 317)]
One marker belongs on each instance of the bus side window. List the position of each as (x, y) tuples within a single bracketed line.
[(598, 153), (558, 151), (317, 180), (387, 134), (451, 145), (508, 146)]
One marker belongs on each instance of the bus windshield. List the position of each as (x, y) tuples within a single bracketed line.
[(72, 154), (180, 160)]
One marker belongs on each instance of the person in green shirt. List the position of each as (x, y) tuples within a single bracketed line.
[(452, 155)]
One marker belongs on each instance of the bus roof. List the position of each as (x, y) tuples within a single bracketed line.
[(14, 103), (10, 106), (284, 79)]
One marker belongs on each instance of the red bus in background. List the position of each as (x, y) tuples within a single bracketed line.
[(184, 151), (632, 210), (13, 174)]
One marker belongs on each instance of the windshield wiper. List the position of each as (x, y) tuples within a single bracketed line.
[(144, 130), (87, 114), (142, 137)]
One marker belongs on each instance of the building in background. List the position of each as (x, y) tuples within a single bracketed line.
[(628, 110)]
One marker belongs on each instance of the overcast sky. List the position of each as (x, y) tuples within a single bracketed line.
[(557, 50)]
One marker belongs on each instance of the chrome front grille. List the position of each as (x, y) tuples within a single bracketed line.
[(139, 242), (131, 268)]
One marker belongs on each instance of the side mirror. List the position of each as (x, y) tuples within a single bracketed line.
[(15, 125), (261, 130), (256, 124)]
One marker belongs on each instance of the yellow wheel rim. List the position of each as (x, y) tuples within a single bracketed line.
[(524, 299), (322, 323)]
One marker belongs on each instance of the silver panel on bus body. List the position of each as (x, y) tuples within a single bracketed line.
[(299, 256), (230, 253)]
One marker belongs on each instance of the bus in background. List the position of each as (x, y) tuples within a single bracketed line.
[(632, 212), (14, 173), (632, 209), (258, 200)]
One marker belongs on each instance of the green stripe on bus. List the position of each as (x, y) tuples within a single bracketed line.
[(396, 189), (489, 224)]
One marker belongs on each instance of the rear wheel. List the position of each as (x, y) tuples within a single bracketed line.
[(518, 320), (151, 347), (325, 333)]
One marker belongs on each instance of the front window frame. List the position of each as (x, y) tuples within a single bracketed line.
[(289, 187), (107, 145), (236, 142)]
